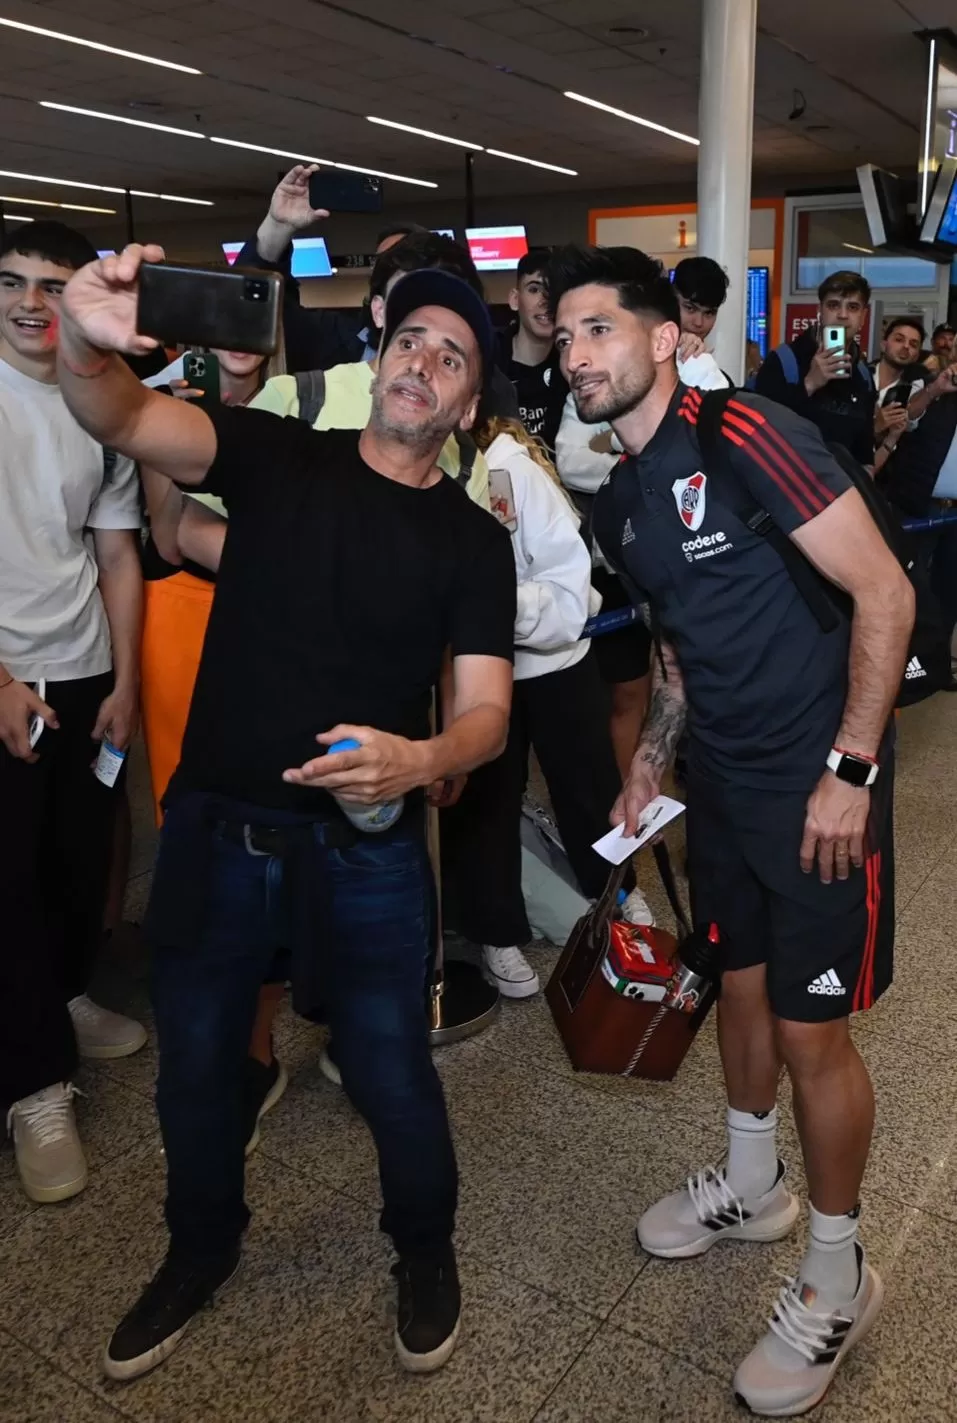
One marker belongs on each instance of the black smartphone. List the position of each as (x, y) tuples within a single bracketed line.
[(196, 306), (201, 372), (345, 192)]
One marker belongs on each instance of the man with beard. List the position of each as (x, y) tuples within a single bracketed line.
[(351, 563), (789, 846)]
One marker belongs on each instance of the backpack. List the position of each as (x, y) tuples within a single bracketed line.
[(928, 657), (792, 371)]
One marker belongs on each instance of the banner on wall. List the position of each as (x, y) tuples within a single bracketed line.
[(800, 315)]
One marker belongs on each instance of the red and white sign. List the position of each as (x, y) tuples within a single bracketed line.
[(800, 315), (496, 249)]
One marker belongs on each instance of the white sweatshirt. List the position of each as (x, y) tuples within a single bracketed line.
[(551, 564), (579, 466)]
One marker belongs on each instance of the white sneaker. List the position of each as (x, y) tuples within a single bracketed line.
[(49, 1155), (510, 971), (791, 1369), (329, 1069), (102, 1034), (691, 1220), (637, 910)]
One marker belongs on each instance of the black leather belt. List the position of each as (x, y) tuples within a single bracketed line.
[(279, 840)]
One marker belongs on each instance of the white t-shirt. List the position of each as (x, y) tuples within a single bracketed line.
[(53, 486)]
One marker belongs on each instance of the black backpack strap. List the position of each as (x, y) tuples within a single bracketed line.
[(717, 462), (468, 451), (665, 870), (311, 390)]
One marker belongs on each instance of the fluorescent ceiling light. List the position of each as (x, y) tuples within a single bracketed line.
[(276, 152), (99, 187), (119, 119), (45, 203), (853, 247), (105, 48), (534, 162), (379, 173), (632, 118), (16, 217), (425, 133)]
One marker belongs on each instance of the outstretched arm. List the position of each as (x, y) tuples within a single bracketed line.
[(98, 319)]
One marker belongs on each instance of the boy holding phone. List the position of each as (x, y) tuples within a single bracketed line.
[(69, 672), (827, 381)]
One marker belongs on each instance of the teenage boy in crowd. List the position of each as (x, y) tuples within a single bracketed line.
[(526, 352), (833, 389), (701, 286), (256, 854), (69, 672), (790, 848)]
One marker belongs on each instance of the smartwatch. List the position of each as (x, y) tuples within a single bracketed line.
[(849, 766)]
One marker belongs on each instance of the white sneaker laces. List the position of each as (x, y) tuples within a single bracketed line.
[(510, 962), (711, 1195), (47, 1117), (799, 1327)]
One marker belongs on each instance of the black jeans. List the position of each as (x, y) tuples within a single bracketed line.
[(56, 836), (379, 897), (564, 716)]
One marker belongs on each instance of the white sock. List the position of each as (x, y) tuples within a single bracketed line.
[(752, 1155), (830, 1265)]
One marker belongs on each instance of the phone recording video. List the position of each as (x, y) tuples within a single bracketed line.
[(237, 310)]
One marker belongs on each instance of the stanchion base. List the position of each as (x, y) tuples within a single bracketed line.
[(468, 1004)]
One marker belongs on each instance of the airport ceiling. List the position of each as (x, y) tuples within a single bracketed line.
[(305, 75)]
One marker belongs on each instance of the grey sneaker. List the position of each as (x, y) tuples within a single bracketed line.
[(102, 1034), (49, 1155), (706, 1210), (790, 1370)]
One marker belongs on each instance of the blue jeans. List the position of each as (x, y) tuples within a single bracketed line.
[(205, 997)]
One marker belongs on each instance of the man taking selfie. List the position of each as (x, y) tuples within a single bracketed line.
[(789, 784), (351, 563), (833, 387)]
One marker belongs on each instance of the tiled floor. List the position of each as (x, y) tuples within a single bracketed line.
[(565, 1323)]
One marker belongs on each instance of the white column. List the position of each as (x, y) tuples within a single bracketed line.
[(725, 125)]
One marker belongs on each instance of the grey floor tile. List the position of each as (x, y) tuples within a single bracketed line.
[(304, 1331), (33, 1391), (14, 1205), (922, 838), (713, 1309), (619, 1379)]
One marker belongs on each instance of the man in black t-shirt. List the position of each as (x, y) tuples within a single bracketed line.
[(789, 848), (350, 565), (526, 352)]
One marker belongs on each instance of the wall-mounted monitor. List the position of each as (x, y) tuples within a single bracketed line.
[(444, 232), (940, 221), (310, 256), (885, 206), (758, 310), (496, 249)]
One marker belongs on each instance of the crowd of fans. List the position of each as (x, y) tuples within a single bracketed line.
[(123, 596)]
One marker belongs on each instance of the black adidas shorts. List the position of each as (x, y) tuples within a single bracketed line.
[(828, 947), (622, 656)]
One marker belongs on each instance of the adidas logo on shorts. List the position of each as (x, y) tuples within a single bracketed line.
[(914, 669), (828, 983)]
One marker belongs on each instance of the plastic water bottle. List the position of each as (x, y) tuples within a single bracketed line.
[(373, 819), (696, 966)]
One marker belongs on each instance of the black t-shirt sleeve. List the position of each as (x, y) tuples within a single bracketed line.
[(782, 460), (482, 612), (249, 444)]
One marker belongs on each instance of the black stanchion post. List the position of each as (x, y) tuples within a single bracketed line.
[(128, 202), (470, 189)]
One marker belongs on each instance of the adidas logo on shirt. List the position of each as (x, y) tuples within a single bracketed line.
[(914, 669), (828, 983), (627, 534)]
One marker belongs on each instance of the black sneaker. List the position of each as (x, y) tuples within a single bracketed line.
[(164, 1311), (262, 1088), (430, 1311)]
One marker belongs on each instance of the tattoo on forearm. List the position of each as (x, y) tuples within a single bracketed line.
[(665, 721)]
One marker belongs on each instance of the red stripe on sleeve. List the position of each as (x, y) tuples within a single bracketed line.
[(757, 439), (786, 448), (770, 471)]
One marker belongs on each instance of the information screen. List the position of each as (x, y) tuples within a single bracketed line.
[(758, 302), (310, 256), (496, 249)]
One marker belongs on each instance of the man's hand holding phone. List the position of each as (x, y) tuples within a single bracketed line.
[(826, 366), (289, 212), (99, 304), (19, 705)]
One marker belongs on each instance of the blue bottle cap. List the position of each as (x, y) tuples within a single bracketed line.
[(622, 896), (348, 743)]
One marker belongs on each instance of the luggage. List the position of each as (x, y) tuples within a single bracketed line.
[(554, 902), (605, 1030)]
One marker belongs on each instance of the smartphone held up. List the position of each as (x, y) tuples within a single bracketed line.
[(236, 310), (834, 342)]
